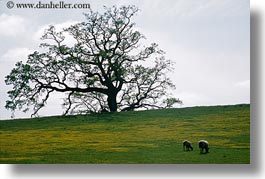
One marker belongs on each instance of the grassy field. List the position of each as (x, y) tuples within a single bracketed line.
[(153, 136)]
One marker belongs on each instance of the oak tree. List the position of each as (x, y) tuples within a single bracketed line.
[(107, 68)]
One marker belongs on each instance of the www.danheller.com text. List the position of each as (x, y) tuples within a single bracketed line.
[(48, 5)]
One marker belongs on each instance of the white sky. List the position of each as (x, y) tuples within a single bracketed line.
[(209, 41)]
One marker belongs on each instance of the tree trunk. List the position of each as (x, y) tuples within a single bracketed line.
[(112, 102)]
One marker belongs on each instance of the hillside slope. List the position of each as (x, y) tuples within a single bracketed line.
[(153, 136)]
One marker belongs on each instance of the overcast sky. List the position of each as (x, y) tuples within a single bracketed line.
[(209, 41)]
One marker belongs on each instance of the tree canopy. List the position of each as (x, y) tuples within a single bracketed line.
[(106, 68)]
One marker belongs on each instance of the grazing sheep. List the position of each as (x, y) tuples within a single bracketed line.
[(204, 145), (187, 145)]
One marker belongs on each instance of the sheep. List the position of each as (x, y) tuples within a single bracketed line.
[(204, 145), (187, 145)]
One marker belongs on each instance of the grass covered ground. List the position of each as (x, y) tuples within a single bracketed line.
[(153, 136)]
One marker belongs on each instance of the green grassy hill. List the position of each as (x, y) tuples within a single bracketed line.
[(153, 136)]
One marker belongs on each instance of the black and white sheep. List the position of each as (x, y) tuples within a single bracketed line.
[(187, 146), (204, 146)]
